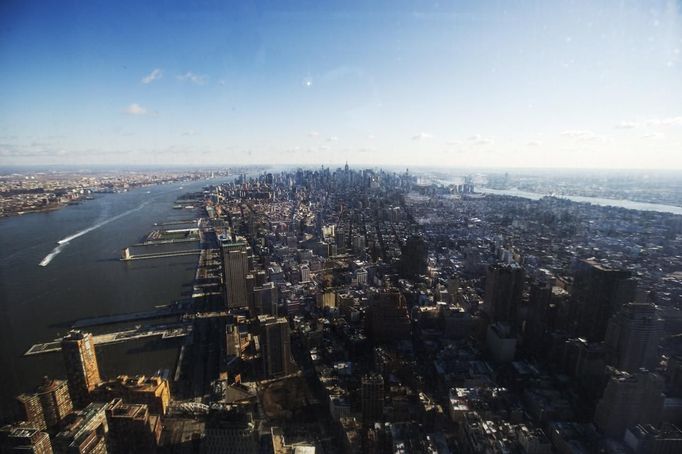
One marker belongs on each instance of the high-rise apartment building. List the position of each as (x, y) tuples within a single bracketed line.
[(387, 317), (47, 406), (503, 291), (628, 400), (633, 335), (152, 391), (55, 400), (275, 341), (236, 265), (22, 438), (265, 299), (372, 398), (30, 411), (82, 371), (132, 428), (305, 273), (598, 293)]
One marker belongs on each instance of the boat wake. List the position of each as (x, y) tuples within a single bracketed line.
[(61, 244)]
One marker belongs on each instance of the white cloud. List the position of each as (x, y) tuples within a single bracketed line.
[(156, 74), (582, 135), (422, 136), (653, 136), (627, 125), (663, 121), (534, 143), (189, 76), (668, 121), (477, 139), (136, 110), (190, 132), (332, 139), (313, 134)]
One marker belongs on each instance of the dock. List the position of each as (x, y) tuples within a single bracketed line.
[(170, 310), (163, 331), (127, 257)]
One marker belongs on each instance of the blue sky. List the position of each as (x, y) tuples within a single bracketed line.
[(505, 83)]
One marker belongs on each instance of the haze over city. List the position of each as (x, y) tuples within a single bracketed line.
[(466, 84)]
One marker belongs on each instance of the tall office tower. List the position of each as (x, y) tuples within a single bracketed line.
[(539, 300), (22, 438), (633, 335), (340, 239), (503, 291), (132, 428), (358, 244), (361, 276), (387, 317), (80, 361), (30, 411), (629, 399), (55, 400), (372, 398), (275, 341), (236, 264), (598, 293), (266, 299), (250, 285), (305, 273), (414, 257), (85, 431)]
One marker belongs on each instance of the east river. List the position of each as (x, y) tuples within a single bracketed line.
[(84, 278)]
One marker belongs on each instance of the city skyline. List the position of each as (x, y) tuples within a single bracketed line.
[(567, 85)]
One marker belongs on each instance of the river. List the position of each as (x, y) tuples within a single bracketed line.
[(82, 276), (629, 204)]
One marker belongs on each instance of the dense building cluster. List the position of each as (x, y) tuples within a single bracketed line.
[(363, 311), (27, 192)]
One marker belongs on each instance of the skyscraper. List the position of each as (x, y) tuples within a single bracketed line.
[(22, 438), (275, 346), (629, 399), (503, 291), (132, 428), (598, 293), (30, 411), (80, 361), (372, 398), (55, 400), (266, 299), (633, 335), (387, 317), (236, 263)]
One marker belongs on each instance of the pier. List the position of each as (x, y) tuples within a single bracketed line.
[(170, 310), (163, 331), (126, 256)]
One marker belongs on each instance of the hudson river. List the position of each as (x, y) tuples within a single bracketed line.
[(85, 278)]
